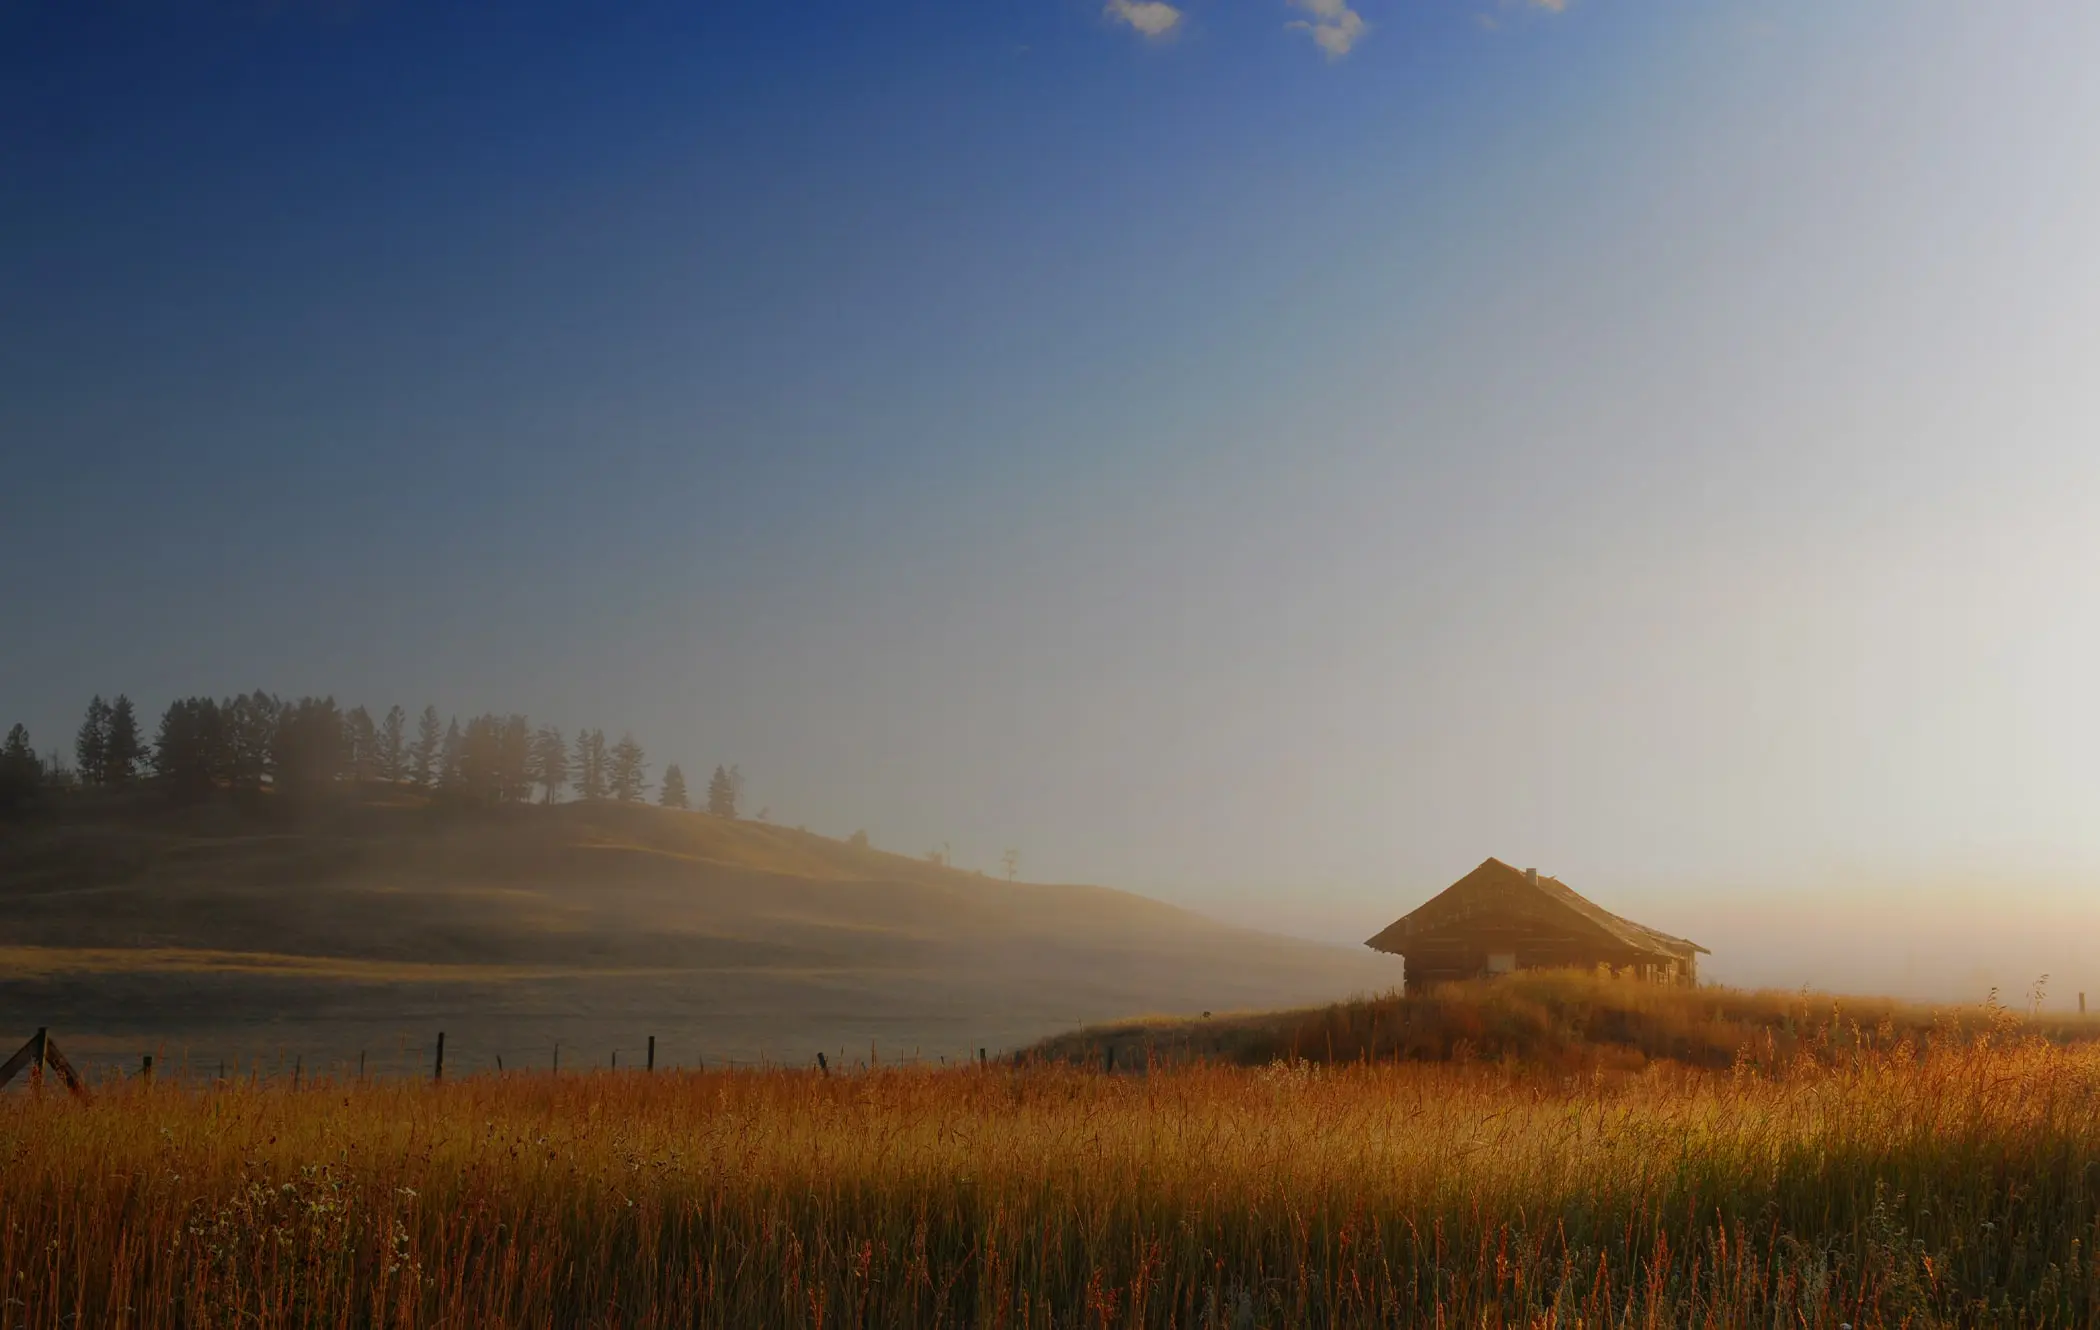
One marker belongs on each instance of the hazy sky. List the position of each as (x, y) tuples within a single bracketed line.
[(1270, 455)]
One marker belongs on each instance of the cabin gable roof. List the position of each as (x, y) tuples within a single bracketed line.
[(1496, 888)]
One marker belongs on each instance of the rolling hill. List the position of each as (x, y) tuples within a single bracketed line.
[(234, 930)]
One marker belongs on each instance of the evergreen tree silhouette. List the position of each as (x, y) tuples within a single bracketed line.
[(672, 794), (589, 775), (123, 750), (514, 760), (20, 772), (393, 746), (251, 738), (91, 744), (361, 745), (451, 773), (309, 752), (550, 763), (192, 752), (627, 776), (721, 793), (429, 745)]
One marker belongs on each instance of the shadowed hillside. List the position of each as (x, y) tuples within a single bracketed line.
[(236, 927)]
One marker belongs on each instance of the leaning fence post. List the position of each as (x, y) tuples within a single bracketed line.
[(146, 1069), (652, 1053), (20, 1060), (438, 1073), (57, 1062)]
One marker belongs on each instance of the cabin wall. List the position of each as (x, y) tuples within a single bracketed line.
[(1476, 950)]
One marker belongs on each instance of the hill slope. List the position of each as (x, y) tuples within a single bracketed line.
[(1562, 1021), (231, 928)]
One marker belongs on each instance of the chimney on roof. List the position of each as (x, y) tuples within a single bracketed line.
[(1531, 875)]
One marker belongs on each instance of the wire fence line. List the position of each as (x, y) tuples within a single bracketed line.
[(429, 1059)]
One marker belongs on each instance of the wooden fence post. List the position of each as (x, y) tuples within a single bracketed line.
[(146, 1069), (34, 1048), (557, 1057), (652, 1053), (822, 1065), (438, 1073)]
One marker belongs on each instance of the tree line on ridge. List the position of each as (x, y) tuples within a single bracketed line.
[(257, 741)]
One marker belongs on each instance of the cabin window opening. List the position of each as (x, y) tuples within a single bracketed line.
[(1502, 962)]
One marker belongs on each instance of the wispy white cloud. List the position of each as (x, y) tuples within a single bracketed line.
[(1154, 18), (1333, 25)]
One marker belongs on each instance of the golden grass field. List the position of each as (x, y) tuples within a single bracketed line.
[(1860, 1175)]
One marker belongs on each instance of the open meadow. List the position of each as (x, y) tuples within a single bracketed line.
[(1858, 1176)]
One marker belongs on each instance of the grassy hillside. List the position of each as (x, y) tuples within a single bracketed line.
[(242, 928), (1558, 1021)]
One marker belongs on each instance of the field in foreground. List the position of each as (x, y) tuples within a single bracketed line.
[(1894, 1183)]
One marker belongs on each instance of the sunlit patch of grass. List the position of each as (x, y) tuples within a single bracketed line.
[(1568, 1021), (1912, 1181)]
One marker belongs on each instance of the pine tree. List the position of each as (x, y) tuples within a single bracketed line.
[(193, 751), (627, 776), (393, 746), (673, 792), (251, 738), (514, 760), (550, 763), (423, 757), (361, 745), (481, 759), (91, 745), (721, 793), (451, 771), (591, 760), (124, 750), (20, 771), (309, 752)]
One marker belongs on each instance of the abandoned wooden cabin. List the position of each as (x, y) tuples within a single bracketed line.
[(1497, 919)]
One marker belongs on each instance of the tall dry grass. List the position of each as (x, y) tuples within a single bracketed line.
[(1904, 1184)]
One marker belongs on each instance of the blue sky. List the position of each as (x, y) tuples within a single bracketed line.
[(1269, 455)]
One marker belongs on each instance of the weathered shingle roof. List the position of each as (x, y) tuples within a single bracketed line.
[(1457, 900)]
